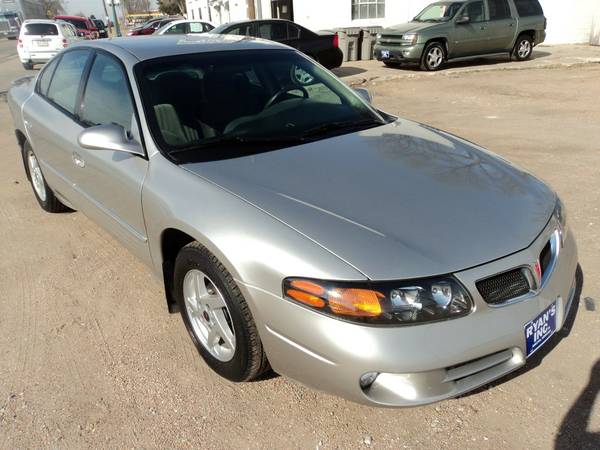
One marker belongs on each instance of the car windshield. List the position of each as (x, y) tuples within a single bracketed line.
[(211, 106), (438, 12), (40, 29)]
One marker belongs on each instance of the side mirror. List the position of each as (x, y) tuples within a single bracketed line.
[(109, 137), (364, 94), (463, 20)]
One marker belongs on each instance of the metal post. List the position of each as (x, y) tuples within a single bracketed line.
[(114, 11)]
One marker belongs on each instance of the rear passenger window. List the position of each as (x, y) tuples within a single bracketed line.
[(527, 8), (275, 31), (499, 9), (46, 76), (197, 27), (106, 98), (242, 30), (293, 31), (65, 82)]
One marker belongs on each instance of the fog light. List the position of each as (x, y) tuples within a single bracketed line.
[(368, 379)]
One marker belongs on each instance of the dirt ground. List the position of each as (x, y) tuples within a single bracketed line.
[(89, 356)]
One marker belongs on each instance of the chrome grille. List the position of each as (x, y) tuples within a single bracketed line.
[(505, 286)]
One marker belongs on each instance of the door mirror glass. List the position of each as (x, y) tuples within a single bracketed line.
[(364, 94), (109, 137), (463, 20)]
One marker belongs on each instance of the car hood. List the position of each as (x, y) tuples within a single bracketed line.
[(408, 27), (398, 201)]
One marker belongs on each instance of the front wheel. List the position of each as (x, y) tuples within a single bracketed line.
[(217, 316), (433, 57), (523, 48)]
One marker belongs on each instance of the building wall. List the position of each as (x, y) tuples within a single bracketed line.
[(223, 11)]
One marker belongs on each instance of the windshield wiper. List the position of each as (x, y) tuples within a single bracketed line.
[(239, 141), (335, 126)]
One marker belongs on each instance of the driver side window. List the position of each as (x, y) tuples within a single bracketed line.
[(475, 12)]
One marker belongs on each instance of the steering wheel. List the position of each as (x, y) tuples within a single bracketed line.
[(284, 90)]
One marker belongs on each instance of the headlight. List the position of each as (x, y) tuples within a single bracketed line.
[(378, 36), (561, 217), (383, 303), (409, 39)]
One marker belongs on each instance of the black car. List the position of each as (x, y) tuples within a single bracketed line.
[(102, 31), (322, 47)]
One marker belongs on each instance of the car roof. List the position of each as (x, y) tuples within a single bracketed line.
[(150, 47), (71, 17), (39, 21)]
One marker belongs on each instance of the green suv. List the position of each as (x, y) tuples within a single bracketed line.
[(464, 29)]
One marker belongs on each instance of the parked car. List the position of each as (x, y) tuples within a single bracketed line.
[(10, 23), (151, 26), (101, 27), (84, 26), (464, 29), (40, 40), (321, 47), (295, 225), (185, 27)]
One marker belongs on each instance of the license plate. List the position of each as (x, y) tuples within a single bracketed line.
[(385, 54), (41, 43), (540, 329)]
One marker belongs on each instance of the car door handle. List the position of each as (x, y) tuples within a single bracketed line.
[(78, 160)]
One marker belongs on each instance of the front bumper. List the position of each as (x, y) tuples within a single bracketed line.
[(398, 53), (417, 364)]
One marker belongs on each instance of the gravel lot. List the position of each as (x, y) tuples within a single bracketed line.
[(90, 357)]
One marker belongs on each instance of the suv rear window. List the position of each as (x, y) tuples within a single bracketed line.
[(40, 29), (527, 8)]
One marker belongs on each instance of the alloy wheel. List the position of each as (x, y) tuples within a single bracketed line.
[(209, 315), (37, 179), (435, 56), (524, 49)]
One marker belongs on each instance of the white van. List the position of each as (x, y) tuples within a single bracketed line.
[(40, 40)]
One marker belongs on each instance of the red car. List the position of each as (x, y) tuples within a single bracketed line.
[(151, 26), (85, 27)]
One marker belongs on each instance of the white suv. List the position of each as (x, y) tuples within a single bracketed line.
[(40, 40)]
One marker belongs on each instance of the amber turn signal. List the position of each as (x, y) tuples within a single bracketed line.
[(355, 302)]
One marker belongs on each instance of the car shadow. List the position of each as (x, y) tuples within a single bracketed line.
[(347, 71), (536, 359), (573, 432), (483, 61)]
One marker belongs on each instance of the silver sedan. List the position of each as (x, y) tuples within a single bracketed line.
[(294, 225)]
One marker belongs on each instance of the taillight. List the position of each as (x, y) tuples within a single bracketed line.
[(65, 43), (20, 43), (336, 40)]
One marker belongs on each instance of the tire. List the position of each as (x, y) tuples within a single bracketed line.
[(434, 56), (28, 66), (523, 48), (42, 192), (236, 353)]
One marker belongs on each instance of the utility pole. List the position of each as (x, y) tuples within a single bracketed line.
[(106, 14), (113, 4)]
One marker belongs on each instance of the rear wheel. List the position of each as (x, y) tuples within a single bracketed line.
[(28, 66), (523, 48), (433, 57), (217, 316), (42, 192)]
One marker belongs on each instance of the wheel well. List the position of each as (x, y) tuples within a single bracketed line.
[(530, 33), (21, 139), (172, 241), (442, 41)]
